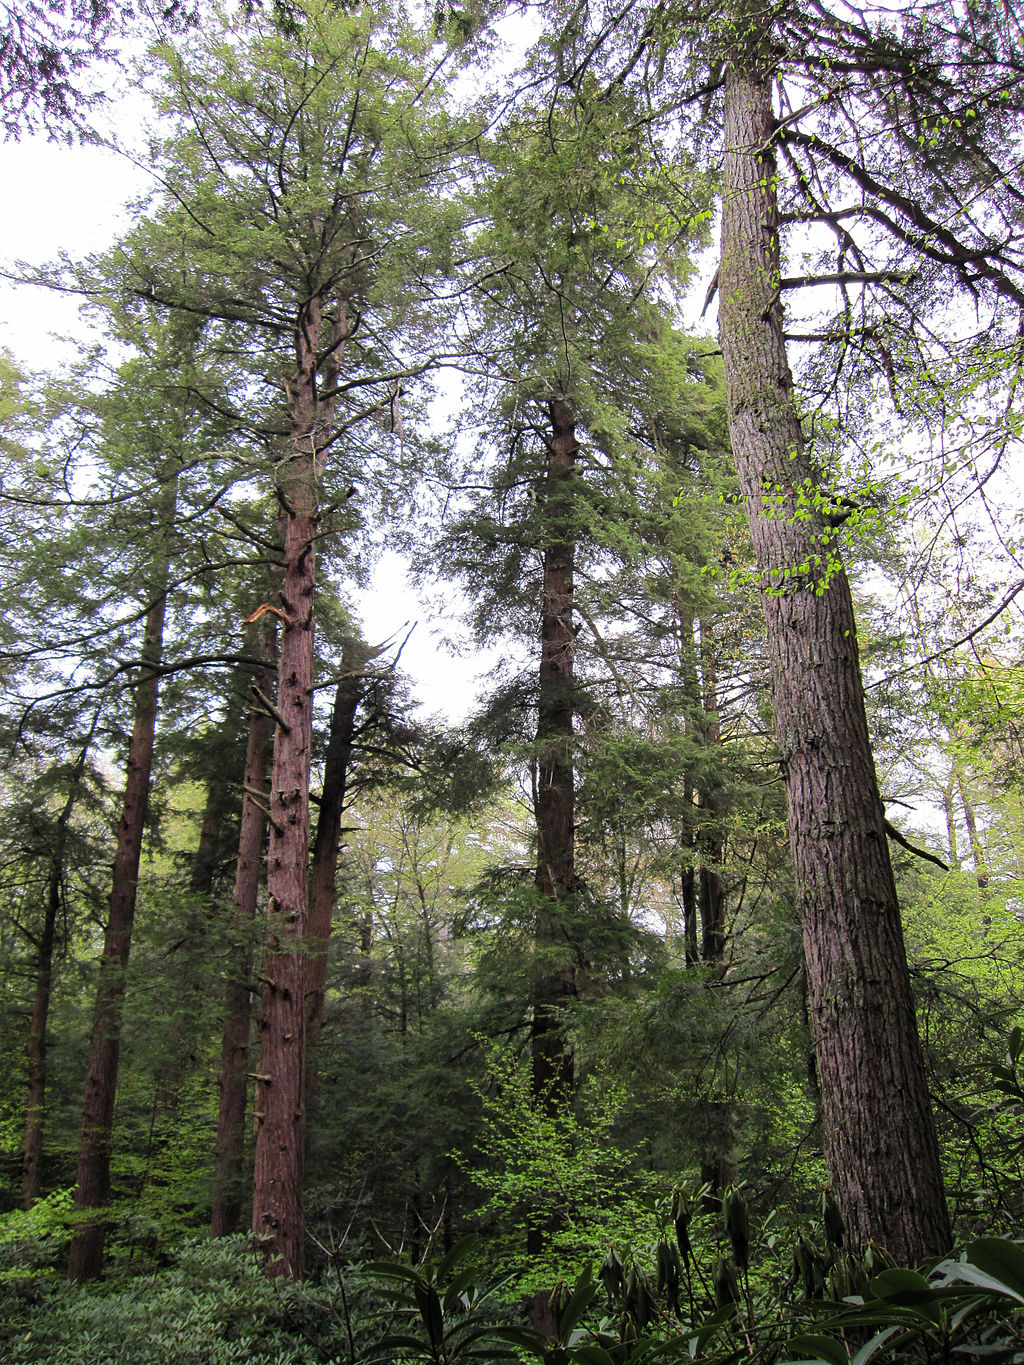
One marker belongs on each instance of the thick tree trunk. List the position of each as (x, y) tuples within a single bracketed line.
[(92, 1188), (879, 1136), (228, 1178), (323, 874), (555, 881), (556, 803), (281, 1103)]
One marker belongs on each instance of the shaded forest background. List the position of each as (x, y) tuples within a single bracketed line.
[(685, 955)]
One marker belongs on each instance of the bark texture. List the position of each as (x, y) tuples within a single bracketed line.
[(228, 1176), (555, 799), (879, 1135), (92, 1187), (555, 806), (280, 1081)]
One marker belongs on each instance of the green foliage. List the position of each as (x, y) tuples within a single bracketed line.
[(443, 1314), (32, 1239), (562, 1172), (213, 1306)]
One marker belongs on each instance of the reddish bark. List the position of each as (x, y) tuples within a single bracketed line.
[(879, 1136), (281, 1106), (228, 1179), (92, 1188)]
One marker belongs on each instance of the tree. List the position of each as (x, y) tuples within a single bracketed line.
[(46, 942), (877, 105), (49, 54), (562, 278), (300, 227)]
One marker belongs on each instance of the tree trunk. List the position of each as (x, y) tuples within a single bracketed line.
[(92, 1188), (327, 844), (191, 950), (281, 1104), (973, 837), (555, 881), (36, 1053), (228, 1181), (32, 1151), (555, 805), (879, 1135), (711, 842)]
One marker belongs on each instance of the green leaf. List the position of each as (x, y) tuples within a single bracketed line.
[(462, 1248), (1002, 1259), (872, 1347), (591, 1355), (809, 1347), (580, 1299)]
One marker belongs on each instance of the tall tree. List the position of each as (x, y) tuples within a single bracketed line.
[(35, 1107), (301, 172), (866, 128), (880, 1140), (92, 1182)]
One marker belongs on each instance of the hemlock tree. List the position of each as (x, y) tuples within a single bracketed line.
[(158, 427), (876, 1113), (868, 128), (298, 222), (562, 276)]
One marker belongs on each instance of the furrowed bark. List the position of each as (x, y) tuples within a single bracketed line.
[(879, 1136), (555, 880), (280, 1085), (556, 807), (228, 1177), (92, 1187)]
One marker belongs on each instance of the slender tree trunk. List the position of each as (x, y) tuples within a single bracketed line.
[(228, 1179), (974, 838), (32, 1151), (36, 1053), (327, 844), (215, 811), (946, 793), (689, 880), (879, 1136), (191, 950), (281, 1102), (712, 844), (92, 1188)]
